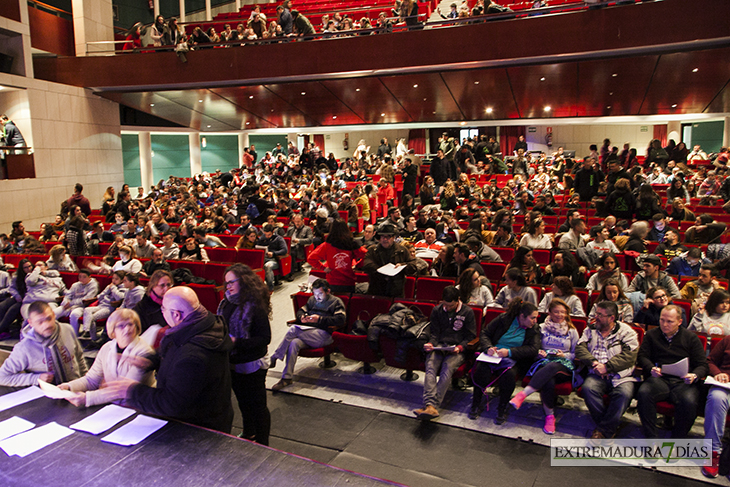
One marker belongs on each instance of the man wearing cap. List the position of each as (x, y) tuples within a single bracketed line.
[(387, 252), (649, 278)]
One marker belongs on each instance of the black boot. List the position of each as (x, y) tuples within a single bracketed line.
[(478, 403)]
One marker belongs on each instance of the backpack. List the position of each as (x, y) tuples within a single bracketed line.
[(252, 211)]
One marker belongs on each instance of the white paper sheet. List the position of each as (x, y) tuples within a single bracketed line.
[(304, 327), (391, 269), (19, 397), (135, 431), (31, 441), (13, 426), (262, 247), (490, 359), (103, 419), (449, 348), (677, 369), (52, 391), (710, 381)]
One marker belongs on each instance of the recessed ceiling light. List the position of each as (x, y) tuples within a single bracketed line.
[(614, 75), (489, 110), (382, 114), (695, 70), (334, 116), (547, 108), (272, 111), (248, 123), (424, 99), (476, 82), (357, 89), (462, 123), (304, 93), (542, 79), (610, 93), (434, 113), (674, 106), (609, 106), (200, 101), (152, 104), (251, 97), (208, 126), (415, 86)]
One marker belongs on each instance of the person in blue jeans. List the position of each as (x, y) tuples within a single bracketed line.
[(718, 403), (608, 351)]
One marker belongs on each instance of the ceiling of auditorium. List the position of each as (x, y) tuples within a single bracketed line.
[(677, 83)]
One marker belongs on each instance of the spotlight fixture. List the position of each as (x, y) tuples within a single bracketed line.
[(674, 106), (695, 70), (489, 110), (542, 79), (547, 108), (415, 86)]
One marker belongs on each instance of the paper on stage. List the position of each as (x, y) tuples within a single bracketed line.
[(135, 431), (103, 419), (19, 397), (13, 426), (391, 269), (710, 381), (31, 441), (677, 369), (49, 390), (490, 359)]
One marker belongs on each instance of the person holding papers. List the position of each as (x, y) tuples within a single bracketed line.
[(316, 320), (718, 401), (386, 282), (661, 357), (453, 326), (554, 361), (49, 351), (511, 342), (608, 353), (126, 355)]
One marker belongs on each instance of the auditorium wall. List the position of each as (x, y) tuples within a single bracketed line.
[(75, 136)]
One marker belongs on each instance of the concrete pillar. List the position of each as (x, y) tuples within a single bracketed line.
[(238, 5), (726, 133), (157, 8), (208, 11), (181, 15), (242, 144), (196, 164), (145, 159), (93, 21), (674, 131)]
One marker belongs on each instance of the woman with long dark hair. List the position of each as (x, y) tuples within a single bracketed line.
[(647, 203), (714, 319), (336, 257), (524, 261), (10, 307), (444, 265), (473, 291), (609, 269), (535, 237), (246, 308), (513, 337), (677, 190), (564, 264), (562, 290), (613, 291), (149, 308), (514, 287)]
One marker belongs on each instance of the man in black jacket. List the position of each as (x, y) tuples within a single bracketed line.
[(587, 180), (668, 344), (316, 320), (438, 170), (194, 377), (452, 327), (388, 252), (275, 249)]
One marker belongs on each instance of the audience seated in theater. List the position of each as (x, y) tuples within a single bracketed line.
[(714, 317), (142, 247), (107, 301), (535, 237), (649, 314), (322, 313), (659, 228), (125, 356), (422, 267), (564, 264), (60, 261), (562, 289), (608, 269), (667, 344), (573, 240), (515, 338), (410, 233), (301, 237), (157, 262), (444, 264), (387, 252), (687, 264), (248, 240), (555, 361), (705, 230), (49, 351), (275, 249), (452, 328), (193, 251), (524, 261), (429, 247), (368, 237), (717, 403), (637, 237), (201, 236), (671, 246), (149, 308), (337, 257), (42, 284), (601, 243), (698, 290), (608, 351)]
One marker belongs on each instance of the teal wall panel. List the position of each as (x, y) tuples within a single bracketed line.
[(220, 152), (130, 157), (266, 143), (708, 135), (170, 156)]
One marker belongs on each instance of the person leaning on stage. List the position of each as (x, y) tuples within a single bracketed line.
[(126, 355), (668, 344), (49, 351), (608, 353), (452, 325), (246, 308), (322, 312), (194, 377)]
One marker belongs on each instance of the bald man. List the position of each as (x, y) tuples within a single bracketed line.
[(194, 378)]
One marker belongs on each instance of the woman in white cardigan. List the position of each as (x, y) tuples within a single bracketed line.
[(125, 356), (563, 289)]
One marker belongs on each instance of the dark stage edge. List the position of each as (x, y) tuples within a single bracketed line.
[(177, 455), (406, 451)]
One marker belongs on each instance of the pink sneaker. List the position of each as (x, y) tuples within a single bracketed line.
[(517, 401), (549, 427)]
